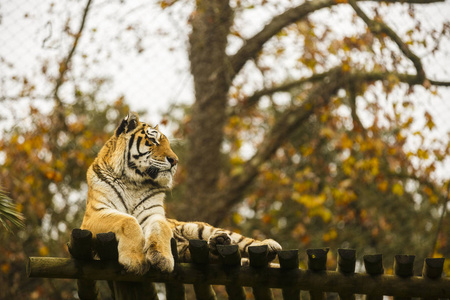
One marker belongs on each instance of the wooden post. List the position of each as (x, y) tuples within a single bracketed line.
[(346, 265), (374, 267), (432, 269), (200, 257), (317, 262), (80, 247), (105, 245), (174, 290), (289, 262), (404, 267), (230, 258), (258, 259)]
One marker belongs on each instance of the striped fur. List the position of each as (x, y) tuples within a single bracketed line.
[(185, 231), (127, 184)]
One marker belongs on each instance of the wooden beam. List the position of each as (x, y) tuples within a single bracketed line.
[(328, 281)]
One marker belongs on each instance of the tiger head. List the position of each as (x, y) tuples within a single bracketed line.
[(140, 153)]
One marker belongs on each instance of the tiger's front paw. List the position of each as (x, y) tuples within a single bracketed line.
[(133, 261), (160, 258), (219, 238)]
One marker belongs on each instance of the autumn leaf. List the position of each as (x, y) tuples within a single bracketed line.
[(397, 189)]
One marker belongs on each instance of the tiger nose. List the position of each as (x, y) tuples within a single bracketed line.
[(172, 160)]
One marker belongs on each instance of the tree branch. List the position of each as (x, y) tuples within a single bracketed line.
[(64, 66), (254, 44), (378, 27), (252, 100), (286, 124)]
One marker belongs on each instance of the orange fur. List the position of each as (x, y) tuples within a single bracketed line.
[(127, 183)]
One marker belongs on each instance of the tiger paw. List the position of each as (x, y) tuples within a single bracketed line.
[(163, 262), (219, 238), (133, 261), (272, 248)]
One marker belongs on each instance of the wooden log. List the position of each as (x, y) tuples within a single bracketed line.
[(258, 256), (199, 252), (125, 290), (175, 290), (258, 259), (106, 246), (404, 267), (87, 289), (374, 267), (317, 262), (229, 255), (346, 261), (230, 258), (374, 264), (346, 265), (289, 261), (200, 257), (80, 247), (432, 269), (328, 281)]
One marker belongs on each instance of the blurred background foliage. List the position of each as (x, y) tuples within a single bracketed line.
[(306, 133)]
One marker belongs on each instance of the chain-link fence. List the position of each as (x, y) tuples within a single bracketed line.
[(139, 49)]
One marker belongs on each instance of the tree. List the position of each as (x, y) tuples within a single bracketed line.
[(315, 153), (214, 71)]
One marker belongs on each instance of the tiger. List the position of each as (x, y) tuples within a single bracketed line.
[(127, 183)]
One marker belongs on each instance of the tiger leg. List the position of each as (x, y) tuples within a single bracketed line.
[(218, 236), (158, 234), (128, 234)]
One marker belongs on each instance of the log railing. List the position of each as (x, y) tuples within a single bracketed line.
[(227, 270)]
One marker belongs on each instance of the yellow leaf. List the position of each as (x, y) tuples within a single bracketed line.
[(382, 186), (346, 143), (43, 251), (434, 199), (237, 218), (322, 212), (331, 235), (397, 189), (310, 201), (5, 268), (326, 132)]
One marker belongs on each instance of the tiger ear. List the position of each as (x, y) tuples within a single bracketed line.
[(128, 123), (157, 127)]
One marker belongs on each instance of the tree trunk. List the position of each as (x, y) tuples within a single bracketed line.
[(211, 23)]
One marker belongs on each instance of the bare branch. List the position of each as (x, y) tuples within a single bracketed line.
[(253, 99), (439, 83), (411, 79), (379, 27), (254, 44), (291, 119), (64, 66), (405, 78)]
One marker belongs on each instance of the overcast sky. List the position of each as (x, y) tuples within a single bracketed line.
[(158, 75)]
